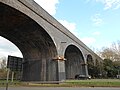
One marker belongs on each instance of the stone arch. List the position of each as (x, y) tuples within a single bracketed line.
[(90, 64), (89, 58), (36, 45), (75, 62)]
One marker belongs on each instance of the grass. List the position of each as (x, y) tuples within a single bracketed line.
[(72, 83), (95, 83), (15, 83)]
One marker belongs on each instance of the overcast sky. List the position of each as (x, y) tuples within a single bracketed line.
[(95, 22)]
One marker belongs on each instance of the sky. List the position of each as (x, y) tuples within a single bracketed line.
[(95, 22)]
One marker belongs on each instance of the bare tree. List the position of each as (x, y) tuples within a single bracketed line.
[(107, 53), (116, 48), (3, 62), (3, 72), (112, 53)]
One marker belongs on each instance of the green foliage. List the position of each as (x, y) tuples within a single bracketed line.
[(95, 70), (111, 67), (111, 62)]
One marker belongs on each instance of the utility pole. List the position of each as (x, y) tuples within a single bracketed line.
[(7, 81)]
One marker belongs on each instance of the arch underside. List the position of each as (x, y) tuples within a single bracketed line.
[(36, 45), (74, 63)]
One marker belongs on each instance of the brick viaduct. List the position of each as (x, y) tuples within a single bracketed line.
[(50, 51)]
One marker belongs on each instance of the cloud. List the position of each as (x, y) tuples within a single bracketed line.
[(88, 40), (109, 4), (69, 25), (8, 48), (3, 40), (6, 53), (96, 33), (48, 5), (97, 20)]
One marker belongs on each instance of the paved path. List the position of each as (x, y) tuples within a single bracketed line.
[(56, 88)]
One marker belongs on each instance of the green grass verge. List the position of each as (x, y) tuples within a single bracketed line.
[(15, 83), (72, 83), (95, 82)]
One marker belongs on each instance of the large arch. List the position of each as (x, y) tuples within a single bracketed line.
[(34, 42), (90, 65), (74, 63)]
